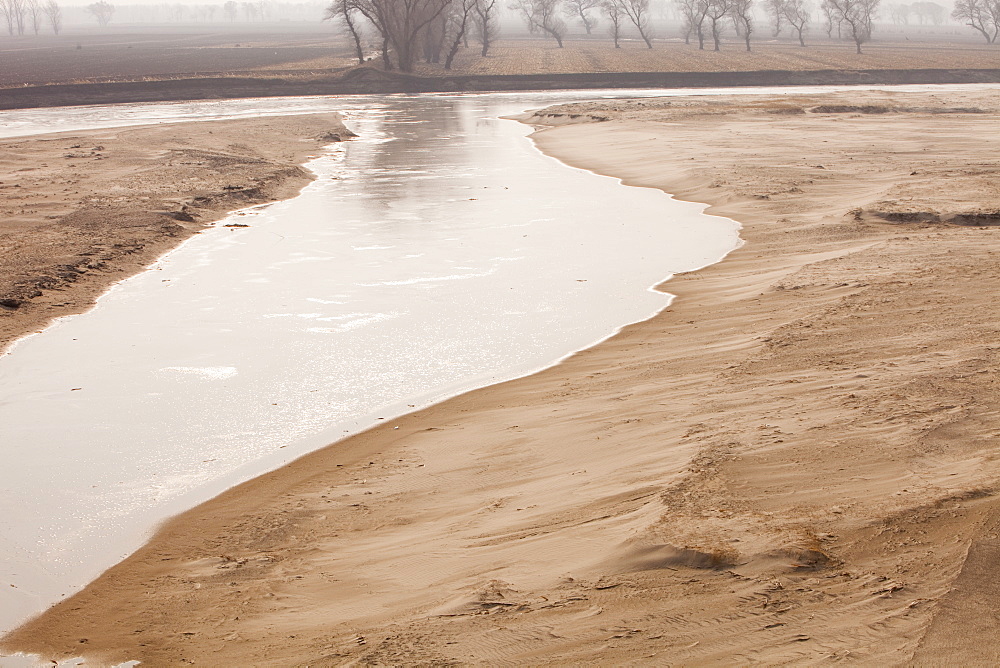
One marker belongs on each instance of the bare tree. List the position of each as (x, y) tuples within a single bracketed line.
[(7, 10), (776, 12), (20, 14), (457, 19), (542, 15), (830, 19), (487, 23), (432, 38), (14, 14), (54, 14), (687, 26), (693, 13), (35, 13), (983, 15), (930, 12), (231, 10), (616, 19), (716, 12), (637, 12), (102, 11), (857, 15), (995, 18), (900, 14), (580, 9), (346, 13), (742, 13), (401, 24), (797, 14)]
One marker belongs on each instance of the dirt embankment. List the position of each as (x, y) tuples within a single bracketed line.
[(795, 463), (80, 211)]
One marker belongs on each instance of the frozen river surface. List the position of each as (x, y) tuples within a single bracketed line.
[(437, 252)]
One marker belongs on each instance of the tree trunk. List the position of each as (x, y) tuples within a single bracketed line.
[(357, 38), (645, 38), (457, 43), (386, 61), (555, 35), (405, 58)]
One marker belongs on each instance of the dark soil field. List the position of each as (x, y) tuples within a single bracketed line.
[(153, 63), (149, 52), (129, 53)]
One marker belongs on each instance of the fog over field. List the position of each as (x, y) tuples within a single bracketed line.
[(921, 17)]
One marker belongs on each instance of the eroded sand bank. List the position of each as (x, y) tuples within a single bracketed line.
[(796, 461), (83, 210)]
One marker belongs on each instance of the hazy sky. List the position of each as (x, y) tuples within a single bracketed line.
[(948, 4), (312, 9)]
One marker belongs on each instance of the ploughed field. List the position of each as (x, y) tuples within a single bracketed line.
[(306, 51), (137, 53), (672, 55)]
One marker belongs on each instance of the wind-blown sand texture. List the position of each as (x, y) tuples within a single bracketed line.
[(80, 211), (796, 461)]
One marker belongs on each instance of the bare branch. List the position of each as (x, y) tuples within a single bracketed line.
[(542, 15), (856, 15)]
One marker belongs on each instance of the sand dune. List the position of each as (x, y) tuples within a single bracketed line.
[(795, 462)]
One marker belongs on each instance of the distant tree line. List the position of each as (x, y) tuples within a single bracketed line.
[(408, 31), (231, 11), (22, 16), (924, 12), (702, 19), (26, 16), (102, 11)]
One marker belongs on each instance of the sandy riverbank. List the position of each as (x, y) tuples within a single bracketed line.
[(80, 211), (796, 461)]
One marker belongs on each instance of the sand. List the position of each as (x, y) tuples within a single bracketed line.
[(80, 211), (795, 462)]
